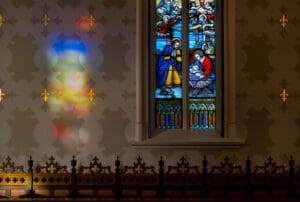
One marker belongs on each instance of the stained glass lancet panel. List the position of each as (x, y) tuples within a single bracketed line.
[(168, 48), (202, 64)]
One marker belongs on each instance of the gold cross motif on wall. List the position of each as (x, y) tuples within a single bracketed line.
[(91, 95), (284, 95), (1, 95), (91, 20), (284, 21), (45, 20), (2, 20), (45, 95)]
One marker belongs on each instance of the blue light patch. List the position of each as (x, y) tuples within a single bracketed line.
[(63, 45)]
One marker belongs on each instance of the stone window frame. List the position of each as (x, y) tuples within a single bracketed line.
[(177, 138)]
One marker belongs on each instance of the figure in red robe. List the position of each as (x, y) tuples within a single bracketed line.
[(201, 73)]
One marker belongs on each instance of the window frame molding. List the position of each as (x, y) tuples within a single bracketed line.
[(184, 139)]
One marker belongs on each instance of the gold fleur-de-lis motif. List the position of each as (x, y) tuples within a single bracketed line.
[(2, 20), (45, 20), (45, 95), (91, 95), (284, 95), (91, 21), (1, 95), (284, 21)]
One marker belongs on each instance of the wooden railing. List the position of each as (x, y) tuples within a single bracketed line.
[(226, 180)]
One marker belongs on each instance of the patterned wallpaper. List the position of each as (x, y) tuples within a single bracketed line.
[(267, 62), (26, 122)]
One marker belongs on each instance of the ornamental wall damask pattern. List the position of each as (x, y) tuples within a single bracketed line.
[(266, 62)]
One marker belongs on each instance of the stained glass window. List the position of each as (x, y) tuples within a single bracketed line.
[(185, 83), (202, 66), (168, 91)]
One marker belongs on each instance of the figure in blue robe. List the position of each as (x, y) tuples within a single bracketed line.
[(168, 68)]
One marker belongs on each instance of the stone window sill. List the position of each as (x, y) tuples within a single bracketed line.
[(189, 141)]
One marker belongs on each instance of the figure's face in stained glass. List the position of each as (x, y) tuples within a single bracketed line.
[(202, 2), (176, 44), (166, 19), (198, 55), (202, 19)]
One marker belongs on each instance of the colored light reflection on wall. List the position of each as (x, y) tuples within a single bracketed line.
[(69, 99), (87, 23)]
